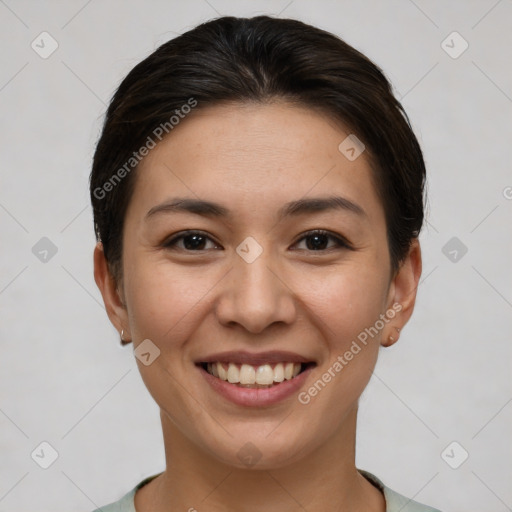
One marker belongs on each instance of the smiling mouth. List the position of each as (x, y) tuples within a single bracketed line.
[(252, 376)]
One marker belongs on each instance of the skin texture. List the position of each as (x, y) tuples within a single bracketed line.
[(192, 303)]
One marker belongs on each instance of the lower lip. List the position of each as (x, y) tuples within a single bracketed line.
[(256, 397)]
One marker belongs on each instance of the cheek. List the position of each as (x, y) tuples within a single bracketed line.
[(162, 299), (164, 304), (347, 300), (347, 308)]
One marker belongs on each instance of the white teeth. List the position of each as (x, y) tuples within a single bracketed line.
[(233, 374), (247, 374), (222, 373), (288, 371), (251, 376), (265, 374), (279, 373)]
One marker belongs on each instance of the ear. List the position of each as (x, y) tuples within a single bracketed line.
[(402, 294), (112, 297)]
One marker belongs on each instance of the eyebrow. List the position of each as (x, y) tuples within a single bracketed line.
[(293, 208)]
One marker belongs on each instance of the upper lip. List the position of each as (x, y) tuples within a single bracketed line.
[(241, 356)]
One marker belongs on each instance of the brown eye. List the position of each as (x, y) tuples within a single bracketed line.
[(192, 241), (195, 241), (318, 239)]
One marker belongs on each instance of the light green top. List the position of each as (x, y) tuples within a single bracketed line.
[(394, 502)]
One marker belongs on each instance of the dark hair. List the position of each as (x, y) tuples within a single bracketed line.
[(257, 59)]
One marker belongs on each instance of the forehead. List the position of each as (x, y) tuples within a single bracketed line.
[(255, 156)]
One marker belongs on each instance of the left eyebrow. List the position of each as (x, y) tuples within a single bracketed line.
[(293, 208), (320, 204)]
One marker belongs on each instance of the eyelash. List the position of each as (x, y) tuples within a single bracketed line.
[(340, 242)]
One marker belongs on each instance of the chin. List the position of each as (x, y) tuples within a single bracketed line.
[(258, 452)]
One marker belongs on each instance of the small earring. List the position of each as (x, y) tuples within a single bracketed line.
[(123, 342), (391, 339)]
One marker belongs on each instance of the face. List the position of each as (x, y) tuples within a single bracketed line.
[(266, 274)]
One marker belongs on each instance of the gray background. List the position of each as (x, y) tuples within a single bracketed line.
[(65, 379)]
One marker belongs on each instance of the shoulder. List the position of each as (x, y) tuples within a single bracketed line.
[(396, 502), (127, 502)]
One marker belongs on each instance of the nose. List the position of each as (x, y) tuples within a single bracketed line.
[(255, 295)]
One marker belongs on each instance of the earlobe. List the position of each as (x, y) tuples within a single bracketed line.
[(403, 290), (392, 339), (115, 307)]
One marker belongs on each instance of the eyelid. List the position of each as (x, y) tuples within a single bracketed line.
[(171, 242), (341, 242)]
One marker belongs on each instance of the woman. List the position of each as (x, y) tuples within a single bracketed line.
[(258, 196)]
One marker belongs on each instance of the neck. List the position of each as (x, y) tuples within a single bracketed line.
[(325, 479)]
